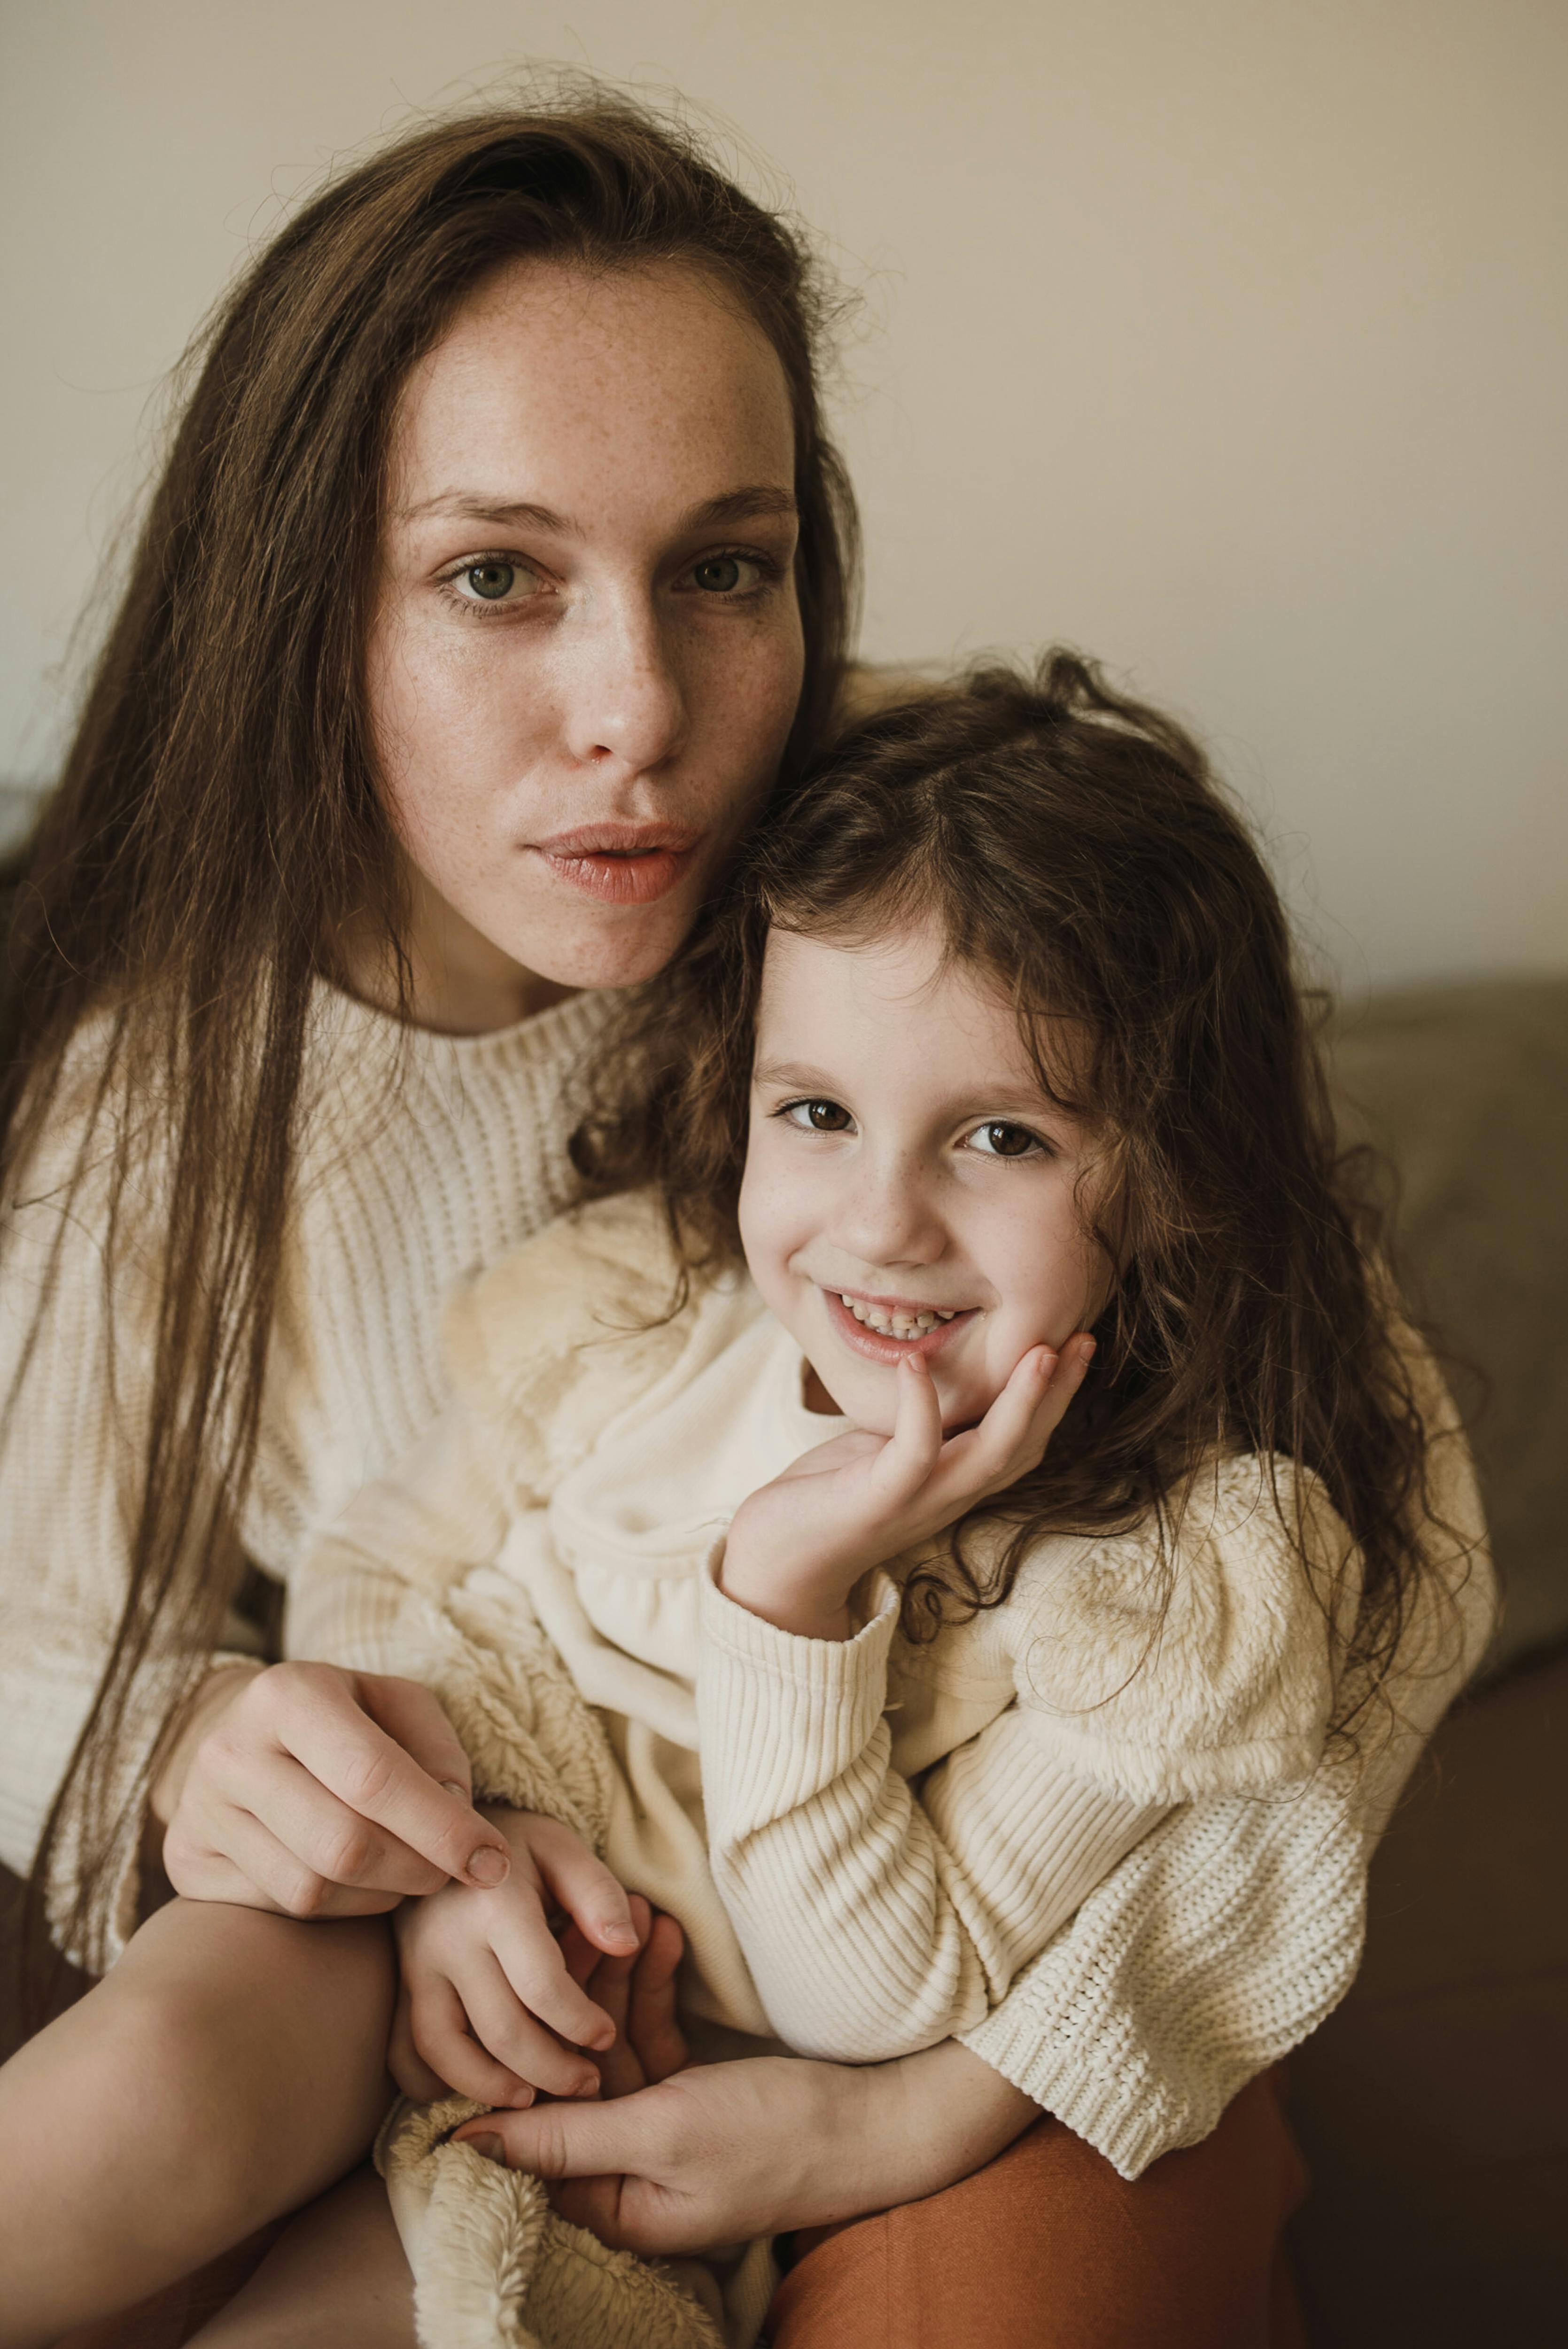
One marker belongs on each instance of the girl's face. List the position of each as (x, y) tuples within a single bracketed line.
[(586, 652), (909, 1188)]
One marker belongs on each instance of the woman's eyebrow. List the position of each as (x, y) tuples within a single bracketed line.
[(760, 502)]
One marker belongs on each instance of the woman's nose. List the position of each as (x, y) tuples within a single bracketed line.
[(624, 698)]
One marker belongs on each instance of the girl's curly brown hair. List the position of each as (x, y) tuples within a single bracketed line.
[(1073, 844)]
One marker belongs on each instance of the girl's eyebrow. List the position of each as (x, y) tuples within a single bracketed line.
[(792, 1075)]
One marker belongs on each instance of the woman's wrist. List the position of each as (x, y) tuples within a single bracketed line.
[(938, 2117), (209, 1701)]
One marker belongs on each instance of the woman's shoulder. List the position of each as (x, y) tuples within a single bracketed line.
[(1192, 1654)]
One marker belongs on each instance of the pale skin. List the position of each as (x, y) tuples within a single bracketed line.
[(606, 466)]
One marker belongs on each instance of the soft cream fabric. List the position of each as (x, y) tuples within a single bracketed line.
[(423, 1158), (577, 1486)]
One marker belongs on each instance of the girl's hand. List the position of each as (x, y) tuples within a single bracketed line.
[(726, 2151), (487, 1997), (317, 1791), (798, 1546)]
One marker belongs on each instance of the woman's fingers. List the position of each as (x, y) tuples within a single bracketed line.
[(320, 1716), (234, 1855), (325, 1836), (652, 2027), (609, 1985)]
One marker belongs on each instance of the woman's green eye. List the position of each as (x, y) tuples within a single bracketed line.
[(719, 575), (999, 1141), (491, 580)]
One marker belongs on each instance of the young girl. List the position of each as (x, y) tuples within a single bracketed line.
[(984, 1431)]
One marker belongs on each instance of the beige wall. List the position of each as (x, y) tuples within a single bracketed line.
[(1225, 338)]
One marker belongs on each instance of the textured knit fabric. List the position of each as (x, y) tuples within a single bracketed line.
[(577, 1486), (423, 1157)]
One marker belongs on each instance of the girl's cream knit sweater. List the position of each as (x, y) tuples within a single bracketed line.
[(762, 1787), (1223, 1937)]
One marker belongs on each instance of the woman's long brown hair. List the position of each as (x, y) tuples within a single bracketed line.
[(217, 818), (1073, 846)]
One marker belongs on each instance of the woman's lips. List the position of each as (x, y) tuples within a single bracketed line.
[(889, 1350), (622, 865)]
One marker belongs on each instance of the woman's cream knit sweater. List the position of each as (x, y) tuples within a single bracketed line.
[(1223, 1937)]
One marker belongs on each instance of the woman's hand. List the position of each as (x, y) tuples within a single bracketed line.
[(489, 2003), (318, 1792), (722, 2152), (798, 1546)]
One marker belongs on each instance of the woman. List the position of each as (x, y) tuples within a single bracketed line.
[(500, 568)]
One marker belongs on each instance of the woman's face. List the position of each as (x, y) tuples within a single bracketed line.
[(586, 651)]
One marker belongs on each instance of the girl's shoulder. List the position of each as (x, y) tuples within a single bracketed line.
[(1194, 1654), (564, 1332)]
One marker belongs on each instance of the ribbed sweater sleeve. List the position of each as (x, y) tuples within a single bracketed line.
[(875, 1923), (363, 1594), (423, 1157)]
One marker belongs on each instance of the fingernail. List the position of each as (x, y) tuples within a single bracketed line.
[(489, 1866), (605, 2038), (1086, 1348), (490, 2147), (624, 1936), (588, 2087), (452, 1787)]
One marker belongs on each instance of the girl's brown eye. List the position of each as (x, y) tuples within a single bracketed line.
[(1007, 1141), (817, 1116), (491, 580)]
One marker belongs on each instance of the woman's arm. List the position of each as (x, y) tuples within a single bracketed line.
[(334, 1783), (874, 1923), (727, 2151)]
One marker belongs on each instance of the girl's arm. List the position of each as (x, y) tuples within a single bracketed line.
[(875, 1924)]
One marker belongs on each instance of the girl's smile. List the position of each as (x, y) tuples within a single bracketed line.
[(910, 1187)]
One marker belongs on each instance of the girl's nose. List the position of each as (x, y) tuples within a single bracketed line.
[(624, 698), (887, 1219)]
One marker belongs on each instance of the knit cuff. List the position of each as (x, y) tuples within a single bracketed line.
[(780, 1716)]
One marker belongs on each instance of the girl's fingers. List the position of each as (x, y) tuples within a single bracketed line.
[(404, 2061), (444, 2046), (530, 1957), (914, 1448), (507, 2029), (1071, 1368), (593, 1898)]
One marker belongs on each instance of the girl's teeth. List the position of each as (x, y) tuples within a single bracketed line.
[(894, 1325)]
